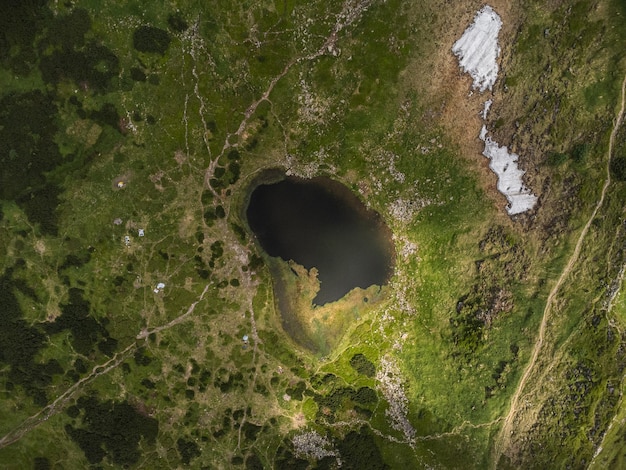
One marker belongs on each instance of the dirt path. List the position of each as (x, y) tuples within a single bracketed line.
[(502, 441), (59, 404), (350, 13)]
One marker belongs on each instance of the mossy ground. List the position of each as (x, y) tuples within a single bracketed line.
[(367, 93)]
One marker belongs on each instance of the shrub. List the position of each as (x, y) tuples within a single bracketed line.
[(150, 39), (362, 365), (618, 167)]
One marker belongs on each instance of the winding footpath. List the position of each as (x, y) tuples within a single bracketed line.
[(59, 404), (502, 441), (61, 401), (350, 13)]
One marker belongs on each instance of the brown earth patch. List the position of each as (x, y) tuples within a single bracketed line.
[(452, 103)]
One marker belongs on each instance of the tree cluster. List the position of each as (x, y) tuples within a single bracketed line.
[(151, 40), (363, 365), (85, 329), (113, 430)]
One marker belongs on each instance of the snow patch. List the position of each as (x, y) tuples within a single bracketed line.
[(478, 49), (504, 164), (486, 109)]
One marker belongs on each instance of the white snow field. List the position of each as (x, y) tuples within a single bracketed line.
[(478, 49), (486, 109), (504, 164)]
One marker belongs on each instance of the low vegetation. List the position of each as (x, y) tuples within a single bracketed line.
[(139, 325)]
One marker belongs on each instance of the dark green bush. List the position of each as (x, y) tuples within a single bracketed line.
[(618, 168), (177, 23), (112, 430), (150, 39), (362, 365), (188, 450), (365, 396)]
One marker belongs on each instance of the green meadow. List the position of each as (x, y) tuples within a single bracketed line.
[(131, 135)]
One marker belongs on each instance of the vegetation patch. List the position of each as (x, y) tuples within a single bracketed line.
[(152, 40), (362, 365), (141, 325), (112, 430), (502, 265)]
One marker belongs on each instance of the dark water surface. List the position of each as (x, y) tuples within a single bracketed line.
[(320, 223)]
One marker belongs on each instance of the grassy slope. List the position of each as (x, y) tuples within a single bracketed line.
[(581, 359), (381, 116)]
